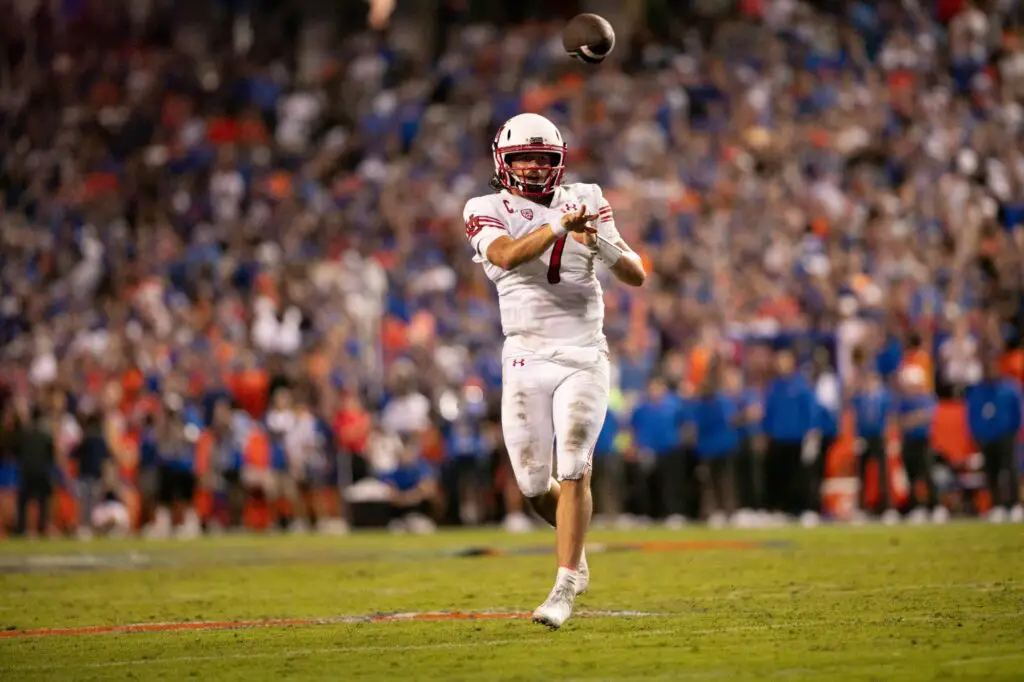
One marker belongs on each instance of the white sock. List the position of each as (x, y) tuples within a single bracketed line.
[(566, 576)]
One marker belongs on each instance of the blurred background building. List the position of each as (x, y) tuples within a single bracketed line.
[(234, 288)]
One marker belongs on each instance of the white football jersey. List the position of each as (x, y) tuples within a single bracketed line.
[(556, 299)]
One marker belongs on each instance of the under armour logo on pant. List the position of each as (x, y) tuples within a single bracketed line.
[(519, 363)]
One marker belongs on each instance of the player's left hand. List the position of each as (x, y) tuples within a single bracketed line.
[(577, 221)]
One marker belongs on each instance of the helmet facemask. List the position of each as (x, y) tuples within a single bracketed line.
[(539, 178), (532, 182)]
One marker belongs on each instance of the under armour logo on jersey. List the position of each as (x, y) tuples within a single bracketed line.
[(570, 208), (527, 213), (519, 363)]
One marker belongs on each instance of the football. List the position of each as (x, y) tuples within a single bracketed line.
[(589, 38)]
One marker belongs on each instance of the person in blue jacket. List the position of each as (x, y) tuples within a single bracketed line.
[(716, 414), (916, 408), (994, 418), (788, 418), (657, 433), (872, 409)]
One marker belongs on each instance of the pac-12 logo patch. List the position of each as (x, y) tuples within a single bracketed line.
[(527, 213)]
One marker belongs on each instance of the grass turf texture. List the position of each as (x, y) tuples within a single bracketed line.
[(871, 603)]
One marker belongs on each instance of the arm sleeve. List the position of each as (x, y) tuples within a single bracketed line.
[(605, 222), (483, 225)]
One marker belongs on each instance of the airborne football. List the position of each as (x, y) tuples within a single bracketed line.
[(588, 38)]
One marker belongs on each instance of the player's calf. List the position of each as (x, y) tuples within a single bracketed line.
[(575, 506)]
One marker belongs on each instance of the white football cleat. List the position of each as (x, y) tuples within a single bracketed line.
[(858, 517), (810, 519), (419, 524), (997, 515), (675, 522), (557, 608), (582, 575), (625, 522), (717, 520), (918, 516), (940, 515), (1017, 514), (190, 528), (334, 527), (890, 517), (517, 522), (161, 527)]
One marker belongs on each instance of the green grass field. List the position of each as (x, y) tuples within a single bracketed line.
[(872, 603)]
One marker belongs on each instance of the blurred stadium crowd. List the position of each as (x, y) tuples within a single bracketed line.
[(234, 287)]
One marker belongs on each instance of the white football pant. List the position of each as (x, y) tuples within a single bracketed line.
[(551, 401)]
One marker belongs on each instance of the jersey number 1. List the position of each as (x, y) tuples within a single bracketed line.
[(555, 268)]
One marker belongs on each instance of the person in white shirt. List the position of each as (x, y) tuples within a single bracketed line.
[(538, 242)]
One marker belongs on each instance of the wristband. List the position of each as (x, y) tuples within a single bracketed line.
[(558, 228), (607, 252)]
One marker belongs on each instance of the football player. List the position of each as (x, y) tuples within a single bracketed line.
[(538, 241)]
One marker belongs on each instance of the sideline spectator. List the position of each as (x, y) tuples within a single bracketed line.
[(916, 407), (872, 406), (657, 424), (413, 490), (716, 414), (788, 419), (994, 409), (33, 440), (92, 456)]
